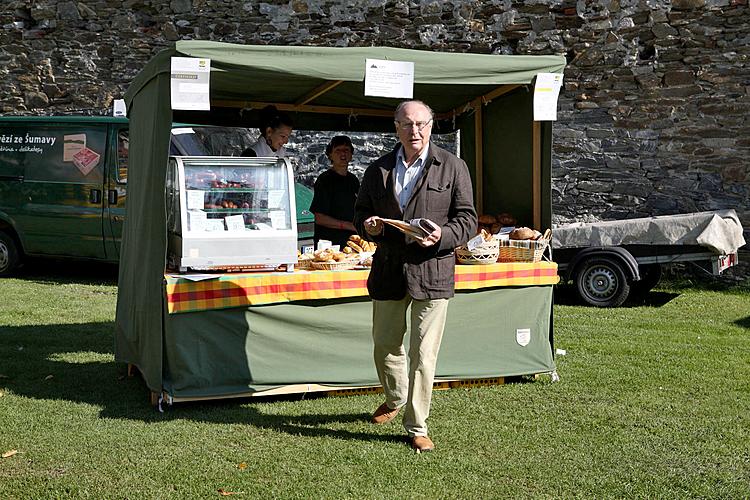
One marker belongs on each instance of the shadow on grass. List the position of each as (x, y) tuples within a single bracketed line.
[(74, 363), (743, 322), (67, 271), (309, 425), (651, 299), (566, 295)]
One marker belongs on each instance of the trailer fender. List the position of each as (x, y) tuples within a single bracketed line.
[(630, 265)]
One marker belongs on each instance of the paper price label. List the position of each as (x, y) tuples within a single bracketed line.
[(274, 198), (196, 220), (215, 225), (235, 222), (195, 199), (475, 242), (278, 219)]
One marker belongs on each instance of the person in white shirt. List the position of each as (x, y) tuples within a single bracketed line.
[(275, 129)]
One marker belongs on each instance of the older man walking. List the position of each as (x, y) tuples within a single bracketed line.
[(416, 180)]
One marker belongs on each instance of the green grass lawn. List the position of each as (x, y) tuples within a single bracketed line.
[(653, 401)]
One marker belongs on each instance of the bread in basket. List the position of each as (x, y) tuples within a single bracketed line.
[(524, 250), (485, 252)]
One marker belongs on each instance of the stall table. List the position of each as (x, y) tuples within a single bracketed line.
[(260, 333)]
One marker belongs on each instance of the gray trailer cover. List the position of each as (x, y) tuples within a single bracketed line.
[(720, 231)]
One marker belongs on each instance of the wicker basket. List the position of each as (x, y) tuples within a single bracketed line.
[(524, 250), (304, 264), (337, 266), (486, 253)]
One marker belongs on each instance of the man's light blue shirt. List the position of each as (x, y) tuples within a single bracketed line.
[(407, 177)]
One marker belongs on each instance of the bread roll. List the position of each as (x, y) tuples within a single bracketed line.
[(522, 233), (487, 220), (506, 219), (354, 246), (323, 255)]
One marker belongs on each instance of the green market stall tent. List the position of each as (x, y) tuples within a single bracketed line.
[(487, 97)]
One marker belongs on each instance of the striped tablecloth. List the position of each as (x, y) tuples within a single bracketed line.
[(246, 289)]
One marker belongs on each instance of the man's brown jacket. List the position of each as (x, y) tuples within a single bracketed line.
[(442, 194)]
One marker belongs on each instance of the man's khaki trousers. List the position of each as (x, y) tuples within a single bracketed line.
[(408, 386)]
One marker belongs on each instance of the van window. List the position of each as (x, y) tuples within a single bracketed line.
[(123, 145)]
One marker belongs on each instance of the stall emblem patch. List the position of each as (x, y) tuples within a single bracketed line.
[(523, 336)]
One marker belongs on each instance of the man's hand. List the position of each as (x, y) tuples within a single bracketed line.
[(374, 226), (431, 238)]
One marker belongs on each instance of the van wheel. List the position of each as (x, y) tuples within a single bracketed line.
[(601, 282), (9, 258)]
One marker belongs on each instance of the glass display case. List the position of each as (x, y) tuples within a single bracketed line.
[(230, 213)]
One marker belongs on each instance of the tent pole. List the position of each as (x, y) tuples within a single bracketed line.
[(318, 92), (536, 173), (486, 99), (478, 167)]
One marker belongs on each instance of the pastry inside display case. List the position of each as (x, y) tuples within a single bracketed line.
[(231, 213)]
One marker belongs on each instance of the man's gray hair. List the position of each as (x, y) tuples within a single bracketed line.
[(403, 104)]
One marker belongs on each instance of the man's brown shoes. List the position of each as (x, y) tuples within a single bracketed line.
[(422, 444), (383, 414)]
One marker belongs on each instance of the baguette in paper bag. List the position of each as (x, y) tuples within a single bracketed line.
[(416, 228)]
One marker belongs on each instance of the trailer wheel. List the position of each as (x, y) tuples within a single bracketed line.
[(601, 282), (9, 258), (650, 276)]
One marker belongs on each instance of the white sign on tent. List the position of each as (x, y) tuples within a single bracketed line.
[(189, 83), (389, 78), (546, 90)]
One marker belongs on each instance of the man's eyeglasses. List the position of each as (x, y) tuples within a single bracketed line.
[(408, 125)]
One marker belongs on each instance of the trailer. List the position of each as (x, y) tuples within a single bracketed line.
[(608, 262)]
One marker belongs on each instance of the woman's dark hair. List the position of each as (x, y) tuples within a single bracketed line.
[(339, 140), (272, 117)]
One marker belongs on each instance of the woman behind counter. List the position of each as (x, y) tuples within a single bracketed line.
[(335, 193), (275, 129)]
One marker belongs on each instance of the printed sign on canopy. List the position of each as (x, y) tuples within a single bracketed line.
[(546, 90), (389, 78), (189, 84)]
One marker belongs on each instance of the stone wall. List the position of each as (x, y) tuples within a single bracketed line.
[(653, 118)]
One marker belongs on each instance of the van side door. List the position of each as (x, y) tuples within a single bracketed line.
[(59, 203), (116, 189)]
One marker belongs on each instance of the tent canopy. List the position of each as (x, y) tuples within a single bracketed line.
[(324, 86), (487, 97)]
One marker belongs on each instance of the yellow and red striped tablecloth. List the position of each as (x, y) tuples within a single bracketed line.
[(247, 289)]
